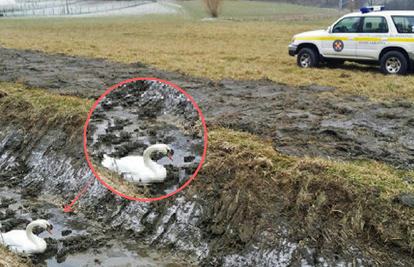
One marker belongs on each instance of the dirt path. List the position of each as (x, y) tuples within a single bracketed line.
[(302, 121)]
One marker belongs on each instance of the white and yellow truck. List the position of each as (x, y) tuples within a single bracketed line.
[(372, 36)]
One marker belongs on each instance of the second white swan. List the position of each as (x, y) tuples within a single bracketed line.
[(24, 241), (140, 169)]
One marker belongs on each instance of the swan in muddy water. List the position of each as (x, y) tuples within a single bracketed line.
[(140, 169), (24, 241)]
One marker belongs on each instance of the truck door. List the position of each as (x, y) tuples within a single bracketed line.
[(340, 41), (373, 35)]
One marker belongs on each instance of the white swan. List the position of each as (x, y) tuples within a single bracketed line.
[(140, 169), (24, 241)]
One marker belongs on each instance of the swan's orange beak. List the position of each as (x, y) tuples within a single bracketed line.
[(168, 155), (50, 232)]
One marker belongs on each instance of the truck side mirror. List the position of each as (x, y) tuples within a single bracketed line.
[(329, 29)]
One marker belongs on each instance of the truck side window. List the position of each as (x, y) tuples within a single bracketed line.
[(347, 25), (375, 25), (404, 24)]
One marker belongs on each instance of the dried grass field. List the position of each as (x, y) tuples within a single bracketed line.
[(239, 45)]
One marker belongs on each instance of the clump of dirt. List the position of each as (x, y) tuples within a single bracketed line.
[(406, 199), (80, 243)]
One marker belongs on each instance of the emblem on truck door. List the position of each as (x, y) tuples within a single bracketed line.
[(338, 45)]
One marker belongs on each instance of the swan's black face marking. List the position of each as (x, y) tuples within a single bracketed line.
[(169, 153), (38, 229), (49, 228), (163, 151)]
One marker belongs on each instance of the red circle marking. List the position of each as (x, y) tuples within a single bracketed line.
[(145, 199)]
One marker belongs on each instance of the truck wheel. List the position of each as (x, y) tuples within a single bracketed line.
[(307, 58), (394, 62)]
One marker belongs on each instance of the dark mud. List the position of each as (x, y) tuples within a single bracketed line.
[(302, 121), (213, 226), (141, 113), (76, 240)]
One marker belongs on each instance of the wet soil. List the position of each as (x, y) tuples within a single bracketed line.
[(302, 121), (76, 240), (138, 114), (217, 224)]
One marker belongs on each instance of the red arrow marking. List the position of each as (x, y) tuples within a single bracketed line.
[(67, 209)]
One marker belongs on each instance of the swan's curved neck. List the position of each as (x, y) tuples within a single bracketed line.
[(147, 158), (29, 232)]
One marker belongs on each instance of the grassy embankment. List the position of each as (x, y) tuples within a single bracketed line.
[(35, 109), (10, 259), (351, 200)]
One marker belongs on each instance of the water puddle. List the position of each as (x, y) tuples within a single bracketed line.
[(129, 119)]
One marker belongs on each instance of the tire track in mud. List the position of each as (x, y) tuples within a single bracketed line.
[(302, 121)]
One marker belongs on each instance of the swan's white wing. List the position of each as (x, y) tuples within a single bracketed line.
[(131, 164), (133, 168), (108, 162), (16, 240)]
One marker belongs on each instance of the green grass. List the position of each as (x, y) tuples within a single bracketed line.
[(359, 175), (35, 107), (41, 100)]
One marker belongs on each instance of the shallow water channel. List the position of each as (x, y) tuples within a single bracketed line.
[(139, 114), (76, 240)]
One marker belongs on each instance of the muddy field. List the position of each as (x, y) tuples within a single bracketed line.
[(214, 221), (302, 121)]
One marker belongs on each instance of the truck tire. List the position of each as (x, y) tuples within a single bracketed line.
[(394, 62), (307, 58)]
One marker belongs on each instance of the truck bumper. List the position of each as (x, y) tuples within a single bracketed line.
[(293, 49)]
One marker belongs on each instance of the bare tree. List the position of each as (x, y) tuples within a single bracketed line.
[(351, 6), (213, 7)]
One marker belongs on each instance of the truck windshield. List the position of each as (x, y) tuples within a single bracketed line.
[(349, 24)]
